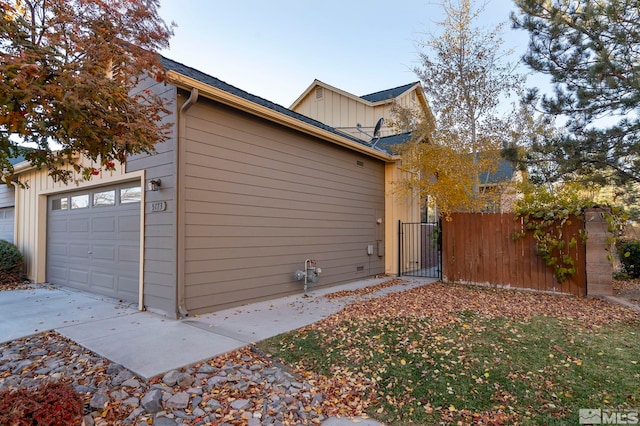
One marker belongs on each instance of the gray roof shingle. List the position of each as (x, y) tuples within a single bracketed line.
[(384, 95), (171, 65)]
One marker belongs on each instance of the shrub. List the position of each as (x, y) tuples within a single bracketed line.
[(629, 254), (50, 404), (10, 263)]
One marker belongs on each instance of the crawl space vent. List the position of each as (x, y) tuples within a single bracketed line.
[(360, 163), (359, 268)]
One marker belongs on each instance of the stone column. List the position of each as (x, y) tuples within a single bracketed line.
[(599, 249)]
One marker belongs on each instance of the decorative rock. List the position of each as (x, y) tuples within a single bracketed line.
[(152, 401), (215, 380), (114, 369), (88, 420), (178, 401), (184, 380), (194, 391), (122, 376), (317, 399), (98, 401), (164, 421), (171, 378), (206, 369), (119, 395), (279, 396), (214, 404), (131, 402), (131, 383), (21, 365), (240, 404), (195, 401), (84, 389)]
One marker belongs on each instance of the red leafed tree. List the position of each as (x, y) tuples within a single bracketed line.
[(70, 71)]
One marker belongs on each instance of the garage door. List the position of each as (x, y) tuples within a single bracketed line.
[(93, 240), (6, 224)]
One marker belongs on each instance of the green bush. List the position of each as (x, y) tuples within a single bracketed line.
[(10, 263), (629, 254), (10, 256), (50, 404)]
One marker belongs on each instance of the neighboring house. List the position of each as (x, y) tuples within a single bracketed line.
[(501, 186), (358, 115), (246, 191)]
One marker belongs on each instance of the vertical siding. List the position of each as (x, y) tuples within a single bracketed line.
[(338, 110), (160, 227), (260, 199), (400, 206)]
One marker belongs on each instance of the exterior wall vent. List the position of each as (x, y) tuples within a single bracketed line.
[(360, 163), (319, 92), (359, 268)]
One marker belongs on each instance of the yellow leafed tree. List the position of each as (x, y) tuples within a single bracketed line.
[(453, 158)]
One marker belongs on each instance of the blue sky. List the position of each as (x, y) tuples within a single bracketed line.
[(275, 49)]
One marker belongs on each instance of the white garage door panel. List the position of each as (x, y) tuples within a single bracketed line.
[(104, 224), (95, 248), (6, 224), (104, 254), (106, 281)]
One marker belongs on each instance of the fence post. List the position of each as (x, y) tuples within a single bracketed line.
[(598, 251), (399, 248), (440, 247)]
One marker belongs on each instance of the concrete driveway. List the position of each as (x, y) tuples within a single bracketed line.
[(149, 344)]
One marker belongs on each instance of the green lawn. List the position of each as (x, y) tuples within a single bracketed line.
[(449, 353)]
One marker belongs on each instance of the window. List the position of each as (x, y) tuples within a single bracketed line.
[(80, 201), (104, 198), (130, 195), (60, 204)]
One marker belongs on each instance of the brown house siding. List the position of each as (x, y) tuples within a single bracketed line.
[(160, 227), (260, 199)]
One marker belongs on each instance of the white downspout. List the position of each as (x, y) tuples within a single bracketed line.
[(182, 128)]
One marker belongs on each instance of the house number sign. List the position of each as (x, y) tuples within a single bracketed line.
[(158, 206)]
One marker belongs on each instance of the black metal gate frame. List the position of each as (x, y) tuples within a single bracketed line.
[(421, 244)]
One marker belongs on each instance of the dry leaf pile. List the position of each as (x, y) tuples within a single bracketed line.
[(453, 340)]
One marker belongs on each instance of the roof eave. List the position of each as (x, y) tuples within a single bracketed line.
[(23, 166), (218, 95)]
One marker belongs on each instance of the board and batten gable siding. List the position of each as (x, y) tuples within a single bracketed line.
[(160, 226), (338, 110), (260, 199)]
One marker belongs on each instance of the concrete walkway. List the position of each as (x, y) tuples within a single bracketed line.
[(150, 345)]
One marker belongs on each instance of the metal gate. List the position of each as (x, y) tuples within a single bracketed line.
[(420, 253)]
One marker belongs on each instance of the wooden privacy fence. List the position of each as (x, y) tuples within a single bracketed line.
[(481, 248)]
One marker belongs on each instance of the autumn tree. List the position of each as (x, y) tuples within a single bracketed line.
[(465, 75), (69, 71), (591, 51)]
